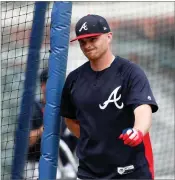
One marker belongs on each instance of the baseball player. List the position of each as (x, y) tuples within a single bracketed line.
[(108, 104)]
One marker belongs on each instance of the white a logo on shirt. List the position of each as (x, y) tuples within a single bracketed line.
[(113, 99), (84, 26)]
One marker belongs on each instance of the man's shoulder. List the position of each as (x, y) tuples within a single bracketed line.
[(74, 74), (123, 62), (37, 103), (126, 66), (37, 115), (37, 108)]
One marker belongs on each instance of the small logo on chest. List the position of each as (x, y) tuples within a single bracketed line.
[(113, 99)]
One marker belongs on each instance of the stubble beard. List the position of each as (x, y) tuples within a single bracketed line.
[(94, 57)]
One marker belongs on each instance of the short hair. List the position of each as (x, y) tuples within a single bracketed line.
[(44, 76)]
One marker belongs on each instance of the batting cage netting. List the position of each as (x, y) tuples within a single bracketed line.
[(143, 32)]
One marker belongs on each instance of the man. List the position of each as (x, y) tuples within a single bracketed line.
[(108, 103), (37, 130)]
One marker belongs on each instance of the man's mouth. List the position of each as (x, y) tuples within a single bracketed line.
[(89, 51)]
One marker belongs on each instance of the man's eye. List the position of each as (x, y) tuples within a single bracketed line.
[(93, 39), (81, 42)]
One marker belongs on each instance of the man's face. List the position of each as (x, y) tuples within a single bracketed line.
[(95, 47), (43, 90)]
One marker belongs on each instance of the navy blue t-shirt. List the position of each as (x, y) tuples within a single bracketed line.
[(104, 103)]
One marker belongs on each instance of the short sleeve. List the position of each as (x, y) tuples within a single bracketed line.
[(138, 90), (68, 109), (37, 116)]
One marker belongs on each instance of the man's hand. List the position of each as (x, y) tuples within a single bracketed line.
[(131, 137)]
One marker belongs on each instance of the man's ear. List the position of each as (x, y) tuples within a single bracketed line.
[(110, 36)]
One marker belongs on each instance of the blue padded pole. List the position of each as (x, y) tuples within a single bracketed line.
[(60, 30), (22, 132)]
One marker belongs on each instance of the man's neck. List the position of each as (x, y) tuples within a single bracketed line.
[(102, 63)]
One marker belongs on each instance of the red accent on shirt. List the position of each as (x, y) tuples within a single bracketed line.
[(149, 153)]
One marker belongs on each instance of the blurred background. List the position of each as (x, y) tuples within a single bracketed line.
[(143, 32)]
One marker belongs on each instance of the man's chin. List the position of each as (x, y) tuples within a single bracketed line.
[(91, 57)]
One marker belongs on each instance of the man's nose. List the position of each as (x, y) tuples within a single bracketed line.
[(87, 45)]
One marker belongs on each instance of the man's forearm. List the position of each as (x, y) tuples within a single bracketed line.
[(73, 126), (143, 118), (35, 135)]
